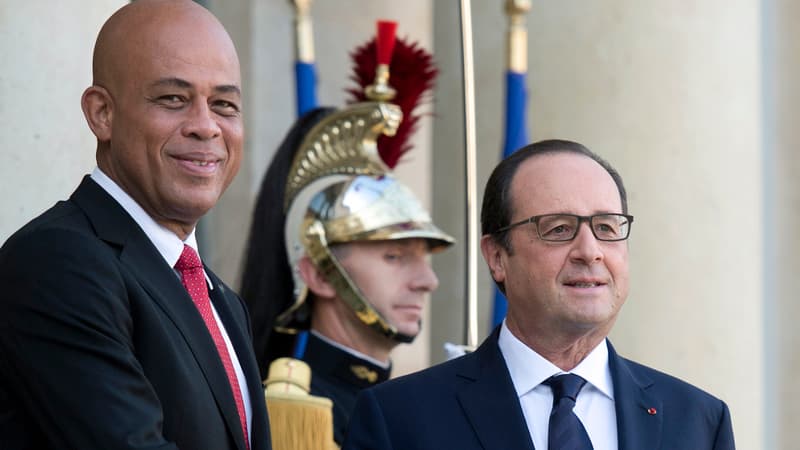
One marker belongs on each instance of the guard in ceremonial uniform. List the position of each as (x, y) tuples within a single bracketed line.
[(338, 260)]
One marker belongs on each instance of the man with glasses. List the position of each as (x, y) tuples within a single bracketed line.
[(555, 221)]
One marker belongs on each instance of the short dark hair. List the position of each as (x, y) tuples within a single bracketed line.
[(496, 210)]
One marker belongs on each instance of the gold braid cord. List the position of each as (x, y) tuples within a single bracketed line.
[(343, 143)]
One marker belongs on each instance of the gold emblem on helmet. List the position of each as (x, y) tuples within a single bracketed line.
[(343, 143)]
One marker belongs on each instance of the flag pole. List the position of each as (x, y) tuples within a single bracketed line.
[(305, 72), (293, 411), (516, 134), (470, 163)]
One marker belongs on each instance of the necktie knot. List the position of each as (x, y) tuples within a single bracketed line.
[(566, 385), (565, 431), (188, 260)]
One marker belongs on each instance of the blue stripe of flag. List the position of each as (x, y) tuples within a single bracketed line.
[(306, 84), (516, 136)]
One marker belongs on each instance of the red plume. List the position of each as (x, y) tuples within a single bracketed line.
[(412, 74)]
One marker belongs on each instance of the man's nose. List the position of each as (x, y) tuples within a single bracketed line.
[(585, 247), (202, 123), (425, 278)]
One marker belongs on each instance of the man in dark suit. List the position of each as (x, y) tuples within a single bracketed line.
[(112, 333), (554, 222)]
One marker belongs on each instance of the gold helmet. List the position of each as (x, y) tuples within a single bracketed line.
[(361, 208), (340, 191)]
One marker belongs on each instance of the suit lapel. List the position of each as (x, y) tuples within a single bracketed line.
[(222, 297), (165, 288), (490, 401), (109, 219), (639, 414), (113, 224)]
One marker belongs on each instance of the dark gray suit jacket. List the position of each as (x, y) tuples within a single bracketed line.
[(470, 403), (101, 346)]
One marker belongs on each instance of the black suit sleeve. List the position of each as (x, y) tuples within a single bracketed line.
[(65, 345), (367, 427)]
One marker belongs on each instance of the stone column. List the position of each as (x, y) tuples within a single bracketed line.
[(781, 214), (47, 63)]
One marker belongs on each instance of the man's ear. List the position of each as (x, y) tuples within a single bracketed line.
[(493, 254), (314, 280), (98, 108)]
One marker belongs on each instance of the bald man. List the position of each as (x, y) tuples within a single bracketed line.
[(113, 335)]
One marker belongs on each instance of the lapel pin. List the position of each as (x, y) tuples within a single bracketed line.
[(651, 411)]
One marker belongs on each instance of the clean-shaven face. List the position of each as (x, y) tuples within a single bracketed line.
[(177, 130), (574, 286), (395, 277)]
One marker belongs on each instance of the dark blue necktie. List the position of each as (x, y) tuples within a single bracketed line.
[(566, 430)]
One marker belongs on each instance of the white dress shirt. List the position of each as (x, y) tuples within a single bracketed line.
[(170, 247), (595, 404)]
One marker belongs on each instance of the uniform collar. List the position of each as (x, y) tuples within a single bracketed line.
[(338, 361)]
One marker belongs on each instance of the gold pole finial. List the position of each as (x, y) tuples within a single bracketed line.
[(517, 46), (303, 31)]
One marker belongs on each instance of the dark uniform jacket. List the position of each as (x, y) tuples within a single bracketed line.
[(340, 376)]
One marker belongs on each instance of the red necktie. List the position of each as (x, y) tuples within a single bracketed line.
[(191, 270)]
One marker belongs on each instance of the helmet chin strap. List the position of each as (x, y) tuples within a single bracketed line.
[(404, 338), (362, 208), (349, 292), (396, 336), (321, 255)]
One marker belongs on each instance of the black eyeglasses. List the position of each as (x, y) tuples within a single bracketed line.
[(564, 227)]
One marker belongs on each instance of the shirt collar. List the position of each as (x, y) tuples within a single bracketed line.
[(168, 244), (529, 369), (594, 369)]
